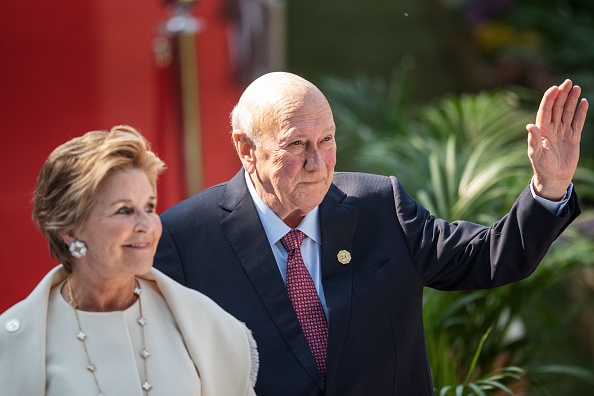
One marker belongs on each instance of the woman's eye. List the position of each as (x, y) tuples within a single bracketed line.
[(124, 210), (150, 208)]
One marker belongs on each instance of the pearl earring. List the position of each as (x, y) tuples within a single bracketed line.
[(78, 249)]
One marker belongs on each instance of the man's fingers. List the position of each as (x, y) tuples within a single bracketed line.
[(545, 110), (560, 101), (580, 116), (534, 138), (570, 105), (533, 130)]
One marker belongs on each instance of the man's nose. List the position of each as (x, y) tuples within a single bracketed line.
[(313, 159)]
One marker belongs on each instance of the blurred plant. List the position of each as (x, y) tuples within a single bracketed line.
[(462, 157), (565, 29), (531, 42)]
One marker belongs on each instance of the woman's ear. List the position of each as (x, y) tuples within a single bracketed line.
[(68, 237)]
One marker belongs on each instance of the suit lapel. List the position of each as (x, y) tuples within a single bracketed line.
[(245, 233), (338, 221)]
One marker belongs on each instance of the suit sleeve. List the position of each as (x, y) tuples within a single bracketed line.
[(461, 255)]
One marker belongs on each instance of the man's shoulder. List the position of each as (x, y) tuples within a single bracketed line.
[(362, 184), (207, 197), (220, 195), (360, 176)]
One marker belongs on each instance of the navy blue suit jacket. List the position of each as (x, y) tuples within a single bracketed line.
[(214, 242)]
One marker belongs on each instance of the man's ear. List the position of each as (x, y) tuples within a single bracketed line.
[(245, 150)]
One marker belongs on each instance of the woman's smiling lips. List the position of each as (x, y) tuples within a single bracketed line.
[(139, 245)]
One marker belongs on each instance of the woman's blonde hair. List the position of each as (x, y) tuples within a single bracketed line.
[(73, 172)]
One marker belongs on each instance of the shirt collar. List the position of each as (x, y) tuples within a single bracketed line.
[(274, 227)]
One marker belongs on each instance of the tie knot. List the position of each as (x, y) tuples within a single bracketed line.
[(292, 240)]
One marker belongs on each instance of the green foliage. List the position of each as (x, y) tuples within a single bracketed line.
[(561, 34), (464, 157), (566, 48), (460, 156)]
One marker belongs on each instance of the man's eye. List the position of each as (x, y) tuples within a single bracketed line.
[(296, 143)]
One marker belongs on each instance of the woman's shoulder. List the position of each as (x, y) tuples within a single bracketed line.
[(22, 336), (34, 305), (11, 320), (199, 318)]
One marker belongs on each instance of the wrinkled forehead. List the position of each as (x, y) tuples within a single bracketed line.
[(297, 114)]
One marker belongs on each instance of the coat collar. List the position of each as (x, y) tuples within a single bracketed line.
[(338, 220)]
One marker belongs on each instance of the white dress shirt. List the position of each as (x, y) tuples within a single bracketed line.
[(275, 229), (553, 206)]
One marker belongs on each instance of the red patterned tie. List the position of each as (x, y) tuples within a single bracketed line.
[(305, 299)]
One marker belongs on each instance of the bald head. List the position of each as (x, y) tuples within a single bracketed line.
[(270, 100), (283, 132)]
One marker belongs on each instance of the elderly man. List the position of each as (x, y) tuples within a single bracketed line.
[(328, 269)]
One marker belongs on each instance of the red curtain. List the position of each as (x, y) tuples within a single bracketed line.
[(70, 67)]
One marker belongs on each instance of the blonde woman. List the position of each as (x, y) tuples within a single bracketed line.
[(104, 322)]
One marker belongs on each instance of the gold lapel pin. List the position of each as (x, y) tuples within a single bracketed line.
[(344, 257)]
